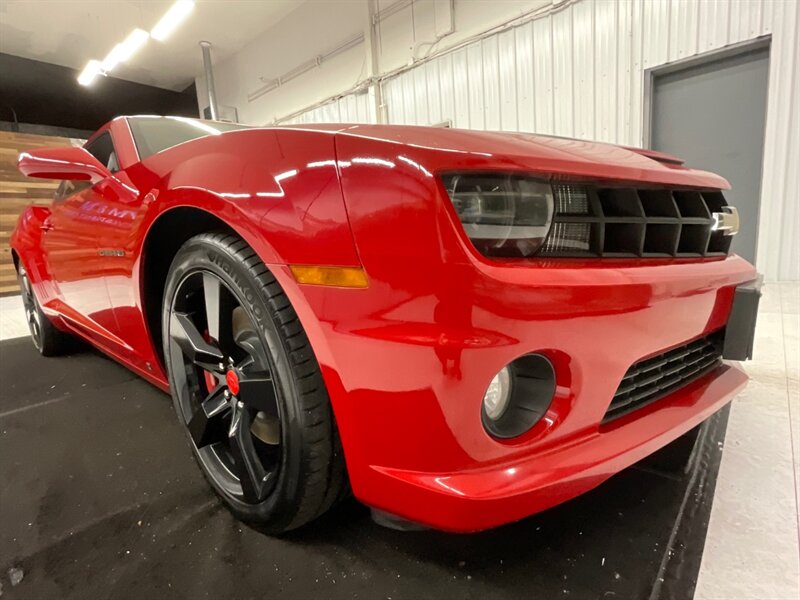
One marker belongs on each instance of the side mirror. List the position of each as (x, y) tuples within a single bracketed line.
[(62, 163)]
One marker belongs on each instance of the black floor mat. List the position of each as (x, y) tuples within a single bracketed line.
[(99, 498)]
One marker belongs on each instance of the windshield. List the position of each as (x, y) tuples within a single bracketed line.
[(154, 134)]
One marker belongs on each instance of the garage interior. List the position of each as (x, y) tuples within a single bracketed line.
[(99, 496)]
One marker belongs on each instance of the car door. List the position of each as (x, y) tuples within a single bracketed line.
[(72, 252), (123, 212)]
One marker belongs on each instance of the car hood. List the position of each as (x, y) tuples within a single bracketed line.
[(540, 153)]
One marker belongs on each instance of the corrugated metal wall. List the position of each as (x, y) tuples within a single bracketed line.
[(580, 72), (353, 108)]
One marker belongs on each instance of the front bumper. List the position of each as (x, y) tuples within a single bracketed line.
[(488, 496), (407, 362)]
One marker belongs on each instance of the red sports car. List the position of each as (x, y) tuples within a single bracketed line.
[(462, 327)]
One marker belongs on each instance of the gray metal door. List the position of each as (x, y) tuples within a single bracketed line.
[(713, 115)]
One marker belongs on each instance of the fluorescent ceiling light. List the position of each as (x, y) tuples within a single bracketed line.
[(90, 71), (171, 19), (124, 50), (112, 59), (132, 43)]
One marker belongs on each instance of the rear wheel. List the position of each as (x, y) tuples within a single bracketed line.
[(48, 340), (247, 387)]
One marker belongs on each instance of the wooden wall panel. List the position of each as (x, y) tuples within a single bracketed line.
[(18, 191)]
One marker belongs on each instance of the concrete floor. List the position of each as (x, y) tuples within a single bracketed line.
[(752, 544), (752, 548)]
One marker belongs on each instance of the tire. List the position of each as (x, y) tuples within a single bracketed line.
[(247, 387), (676, 457), (48, 340)]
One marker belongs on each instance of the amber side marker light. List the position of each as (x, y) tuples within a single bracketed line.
[(349, 277)]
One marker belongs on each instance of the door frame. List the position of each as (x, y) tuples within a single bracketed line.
[(650, 74)]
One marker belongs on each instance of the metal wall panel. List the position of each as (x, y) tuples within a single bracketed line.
[(491, 82), (421, 95), (364, 109), (564, 109), (633, 130), (409, 101), (352, 108), (393, 97), (745, 20), (624, 69), (507, 72), (683, 30), (460, 82), (605, 71), (446, 89), (544, 99), (474, 81), (713, 24), (655, 30), (432, 81), (580, 71), (779, 227), (583, 77), (768, 17), (523, 49)]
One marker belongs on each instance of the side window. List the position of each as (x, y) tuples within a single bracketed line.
[(103, 150)]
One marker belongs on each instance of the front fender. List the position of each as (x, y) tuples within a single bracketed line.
[(279, 189), (252, 232)]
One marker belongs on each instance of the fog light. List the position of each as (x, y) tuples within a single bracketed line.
[(518, 396), (495, 400)]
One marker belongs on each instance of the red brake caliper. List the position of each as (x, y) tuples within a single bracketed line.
[(211, 381)]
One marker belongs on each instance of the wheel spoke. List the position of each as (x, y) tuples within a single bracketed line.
[(256, 388), (26, 284), (206, 425), (257, 392), (185, 334), (219, 310), (252, 475), (245, 336)]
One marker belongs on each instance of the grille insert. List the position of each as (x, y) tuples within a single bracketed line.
[(655, 377), (624, 222)]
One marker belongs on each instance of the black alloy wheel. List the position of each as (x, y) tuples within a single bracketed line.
[(247, 387), (228, 400)]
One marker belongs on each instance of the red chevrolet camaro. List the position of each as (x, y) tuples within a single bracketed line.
[(462, 327)]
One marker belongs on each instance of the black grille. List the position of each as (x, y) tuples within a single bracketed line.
[(655, 377), (624, 222)]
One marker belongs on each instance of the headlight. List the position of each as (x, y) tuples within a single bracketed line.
[(503, 215)]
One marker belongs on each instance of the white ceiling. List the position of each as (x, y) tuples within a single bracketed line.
[(71, 32)]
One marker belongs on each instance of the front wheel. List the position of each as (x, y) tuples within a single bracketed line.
[(247, 387)]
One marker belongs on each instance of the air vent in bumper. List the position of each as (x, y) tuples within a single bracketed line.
[(655, 377)]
